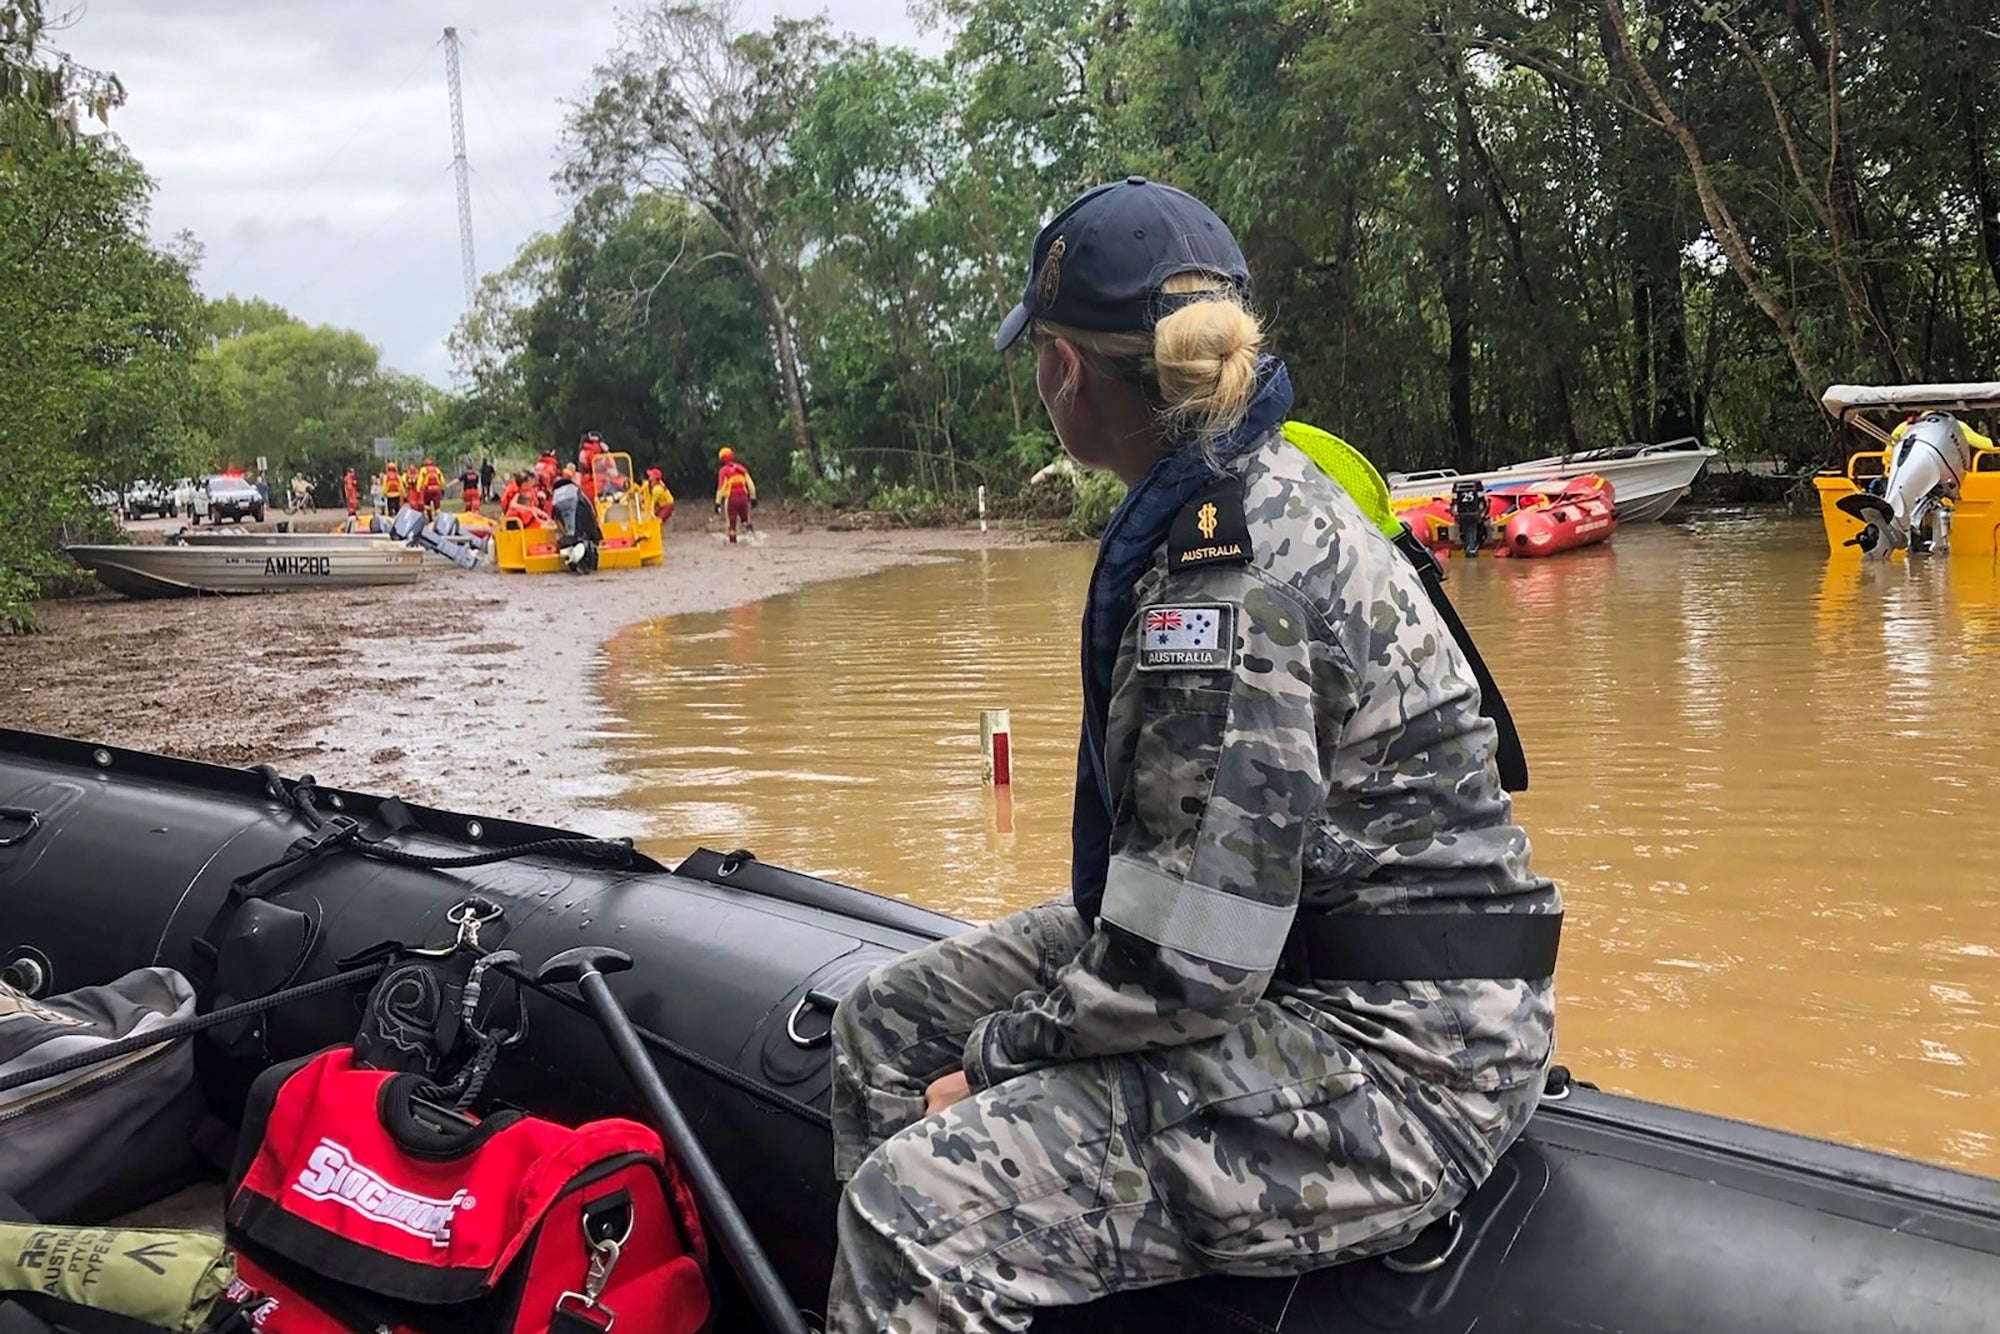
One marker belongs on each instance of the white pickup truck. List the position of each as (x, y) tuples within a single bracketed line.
[(148, 498)]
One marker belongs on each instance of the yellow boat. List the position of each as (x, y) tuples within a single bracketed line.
[(526, 550), (631, 535), (1960, 515)]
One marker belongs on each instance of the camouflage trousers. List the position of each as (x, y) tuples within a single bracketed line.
[(1269, 1150)]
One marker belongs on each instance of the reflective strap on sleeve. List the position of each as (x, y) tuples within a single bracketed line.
[(1207, 923)]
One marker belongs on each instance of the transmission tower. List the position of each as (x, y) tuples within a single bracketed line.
[(461, 167)]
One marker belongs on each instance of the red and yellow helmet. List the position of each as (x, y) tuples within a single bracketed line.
[(726, 454)]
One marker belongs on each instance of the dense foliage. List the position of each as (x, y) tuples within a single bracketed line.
[(112, 368), (307, 399), (1481, 228), (98, 327)]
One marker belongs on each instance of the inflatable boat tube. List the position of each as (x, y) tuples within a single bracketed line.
[(1610, 1214)]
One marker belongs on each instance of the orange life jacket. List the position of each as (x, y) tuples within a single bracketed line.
[(731, 479)]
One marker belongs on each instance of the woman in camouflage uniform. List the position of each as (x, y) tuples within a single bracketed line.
[(1266, 1031)]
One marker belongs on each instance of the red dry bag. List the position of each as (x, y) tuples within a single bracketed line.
[(356, 1208)]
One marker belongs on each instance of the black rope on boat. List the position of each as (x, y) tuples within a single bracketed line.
[(459, 1095), (182, 1028), (611, 852), (687, 1056)]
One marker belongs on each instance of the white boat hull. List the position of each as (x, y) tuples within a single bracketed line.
[(432, 559), (1646, 482), (188, 571)]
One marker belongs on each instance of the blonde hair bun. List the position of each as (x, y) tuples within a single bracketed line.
[(1205, 359), (1199, 363)]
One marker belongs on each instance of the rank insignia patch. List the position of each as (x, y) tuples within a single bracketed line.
[(1210, 529)]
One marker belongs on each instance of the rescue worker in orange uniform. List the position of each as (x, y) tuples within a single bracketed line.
[(351, 492), (586, 463), (431, 490), (656, 496), (547, 470), (392, 488), (468, 489), (524, 500), (735, 492)]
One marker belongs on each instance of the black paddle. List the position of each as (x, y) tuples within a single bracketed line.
[(586, 966)]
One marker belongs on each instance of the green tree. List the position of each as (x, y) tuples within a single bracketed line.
[(97, 325), (1481, 229), (233, 317), (691, 107), (307, 398)]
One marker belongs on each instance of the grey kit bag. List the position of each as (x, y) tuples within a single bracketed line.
[(83, 1145)]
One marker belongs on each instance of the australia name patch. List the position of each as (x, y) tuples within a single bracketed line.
[(1182, 639)]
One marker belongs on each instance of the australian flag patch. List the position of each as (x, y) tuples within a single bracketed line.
[(1186, 638)]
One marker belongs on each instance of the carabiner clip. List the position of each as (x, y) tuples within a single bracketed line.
[(475, 982), (603, 1259), (467, 915)]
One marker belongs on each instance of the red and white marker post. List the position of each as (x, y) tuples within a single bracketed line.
[(996, 746)]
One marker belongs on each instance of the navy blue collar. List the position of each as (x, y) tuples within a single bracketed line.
[(1131, 541)]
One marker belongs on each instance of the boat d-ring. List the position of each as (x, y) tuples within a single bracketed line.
[(735, 862), (468, 915), (20, 815), (27, 971), (814, 999), (1428, 1264)]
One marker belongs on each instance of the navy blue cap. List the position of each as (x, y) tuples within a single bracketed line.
[(1101, 262)]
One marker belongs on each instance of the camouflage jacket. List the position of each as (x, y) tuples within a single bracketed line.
[(1291, 725)]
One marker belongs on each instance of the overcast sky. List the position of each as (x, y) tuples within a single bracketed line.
[(307, 143)]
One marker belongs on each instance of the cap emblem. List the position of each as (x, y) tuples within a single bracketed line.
[(1050, 277)]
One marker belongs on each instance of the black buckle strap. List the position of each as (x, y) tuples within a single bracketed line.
[(1510, 758), (337, 829), (303, 851), (1421, 556), (1422, 947)]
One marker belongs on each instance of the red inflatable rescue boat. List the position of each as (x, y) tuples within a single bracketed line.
[(1435, 523), (1560, 514)]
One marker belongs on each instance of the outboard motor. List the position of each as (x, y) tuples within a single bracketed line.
[(448, 539), (1924, 471), (408, 524), (577, 517), (1468, 512)]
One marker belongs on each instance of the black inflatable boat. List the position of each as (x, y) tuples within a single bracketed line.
[(1611, 1214)]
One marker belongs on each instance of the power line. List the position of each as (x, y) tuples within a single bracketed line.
[(520, 218), (421, 192), (510, 131), (301, 192)]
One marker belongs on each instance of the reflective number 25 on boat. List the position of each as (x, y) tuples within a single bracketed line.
[(311, 565)]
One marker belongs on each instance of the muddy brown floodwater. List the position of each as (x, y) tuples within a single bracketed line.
[(1762, 780), (470, 691)]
